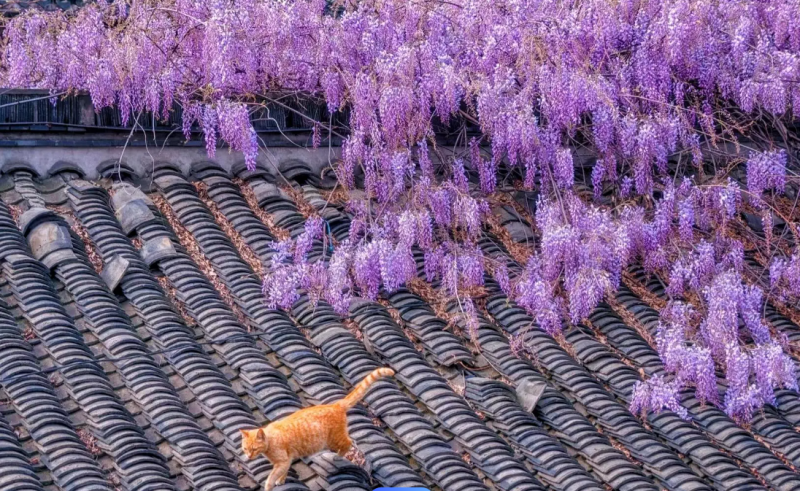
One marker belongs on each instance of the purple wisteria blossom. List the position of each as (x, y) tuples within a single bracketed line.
[(396, 81), (657, 395), (646, 88), (784, 275), (766, 170), (537, 296), (691, 363)]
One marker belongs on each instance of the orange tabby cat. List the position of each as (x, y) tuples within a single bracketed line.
[(306, 432)]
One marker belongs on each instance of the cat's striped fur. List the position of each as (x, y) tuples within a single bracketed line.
[(306, 432)]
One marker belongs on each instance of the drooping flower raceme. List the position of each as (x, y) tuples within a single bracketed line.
[(632, 82), (537, 295), (587, 247), (280, 285), (690, 362), (784, 274), (752, 373), (766, 170), (656, 395), (604, 72)]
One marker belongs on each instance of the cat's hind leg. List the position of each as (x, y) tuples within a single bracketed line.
[(278, 474), (342, 445), (338, 439)]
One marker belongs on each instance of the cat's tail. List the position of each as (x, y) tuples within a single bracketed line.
[(362, 387)]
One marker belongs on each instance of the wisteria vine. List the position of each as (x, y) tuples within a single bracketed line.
[(652, 88)]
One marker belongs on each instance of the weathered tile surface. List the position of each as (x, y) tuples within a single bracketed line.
[(135, 343)]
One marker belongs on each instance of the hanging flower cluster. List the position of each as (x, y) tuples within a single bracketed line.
[(638, 78), (766, 170), (634, 81), (784, 275)]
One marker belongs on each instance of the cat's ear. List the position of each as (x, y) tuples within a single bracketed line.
[(260, 435), (245, 433)]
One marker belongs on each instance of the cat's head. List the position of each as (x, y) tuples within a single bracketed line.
[(254, 442)]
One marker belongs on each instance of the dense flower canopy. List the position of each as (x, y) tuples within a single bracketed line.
[(652, 88)]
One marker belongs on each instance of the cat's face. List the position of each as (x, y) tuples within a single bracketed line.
[(253, 442)]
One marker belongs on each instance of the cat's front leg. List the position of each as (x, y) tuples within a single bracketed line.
[(270, 482), (284, 471), (278, 475)]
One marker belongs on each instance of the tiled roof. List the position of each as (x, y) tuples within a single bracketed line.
[(12, 7), (135, 343), (73, 117)]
